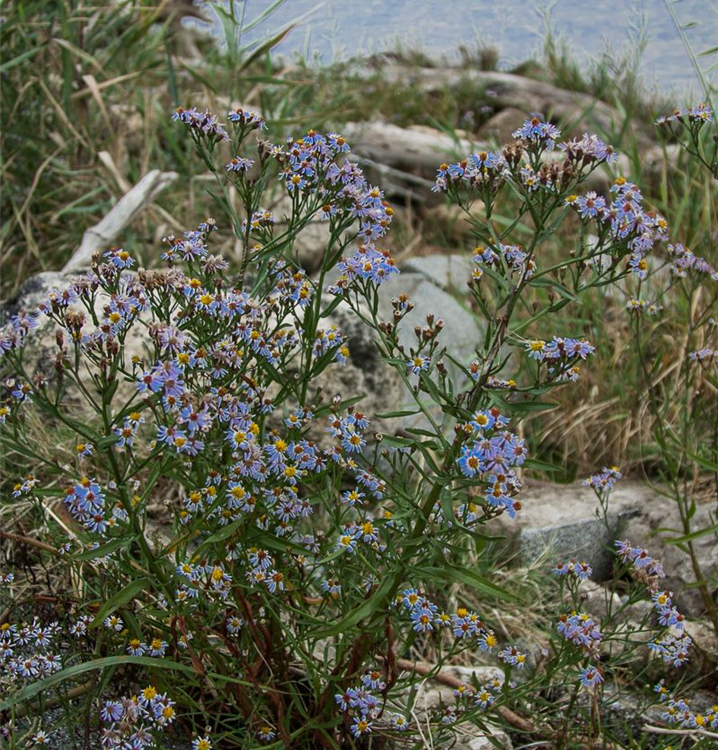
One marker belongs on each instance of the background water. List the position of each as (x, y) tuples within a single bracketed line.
[(345, 28)]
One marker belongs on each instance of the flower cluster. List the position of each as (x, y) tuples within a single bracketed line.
[(364, 707), (677, 711), (490, 457), (588, 149), (201, 123), (482, 697), (513, 657), (580, 570), (605, 480), (482, 168), (369, 263), (636, 305), (464, 624), (698, 113), (684, 260), (538, 132), (639, 560), (30, 652), (623, 220), (582, 630), (673, 647), (563, 354), (85, 501), (244, 118), (132, 722), (511, 257), (309, 165), (489, 170), (703, 355)]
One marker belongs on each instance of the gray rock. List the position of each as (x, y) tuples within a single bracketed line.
[(596, 598), (450, 272), (432, 696), (365, 374), (462, 331), (41, 348), (381, 385), (418, 150), (33, 291), (310, 243), (659, 159), (502, 90), (559, 522), (484, 743), (705, 640)]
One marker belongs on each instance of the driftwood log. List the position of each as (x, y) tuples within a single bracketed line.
[(416, 153), (98, 238), (417, 149), (577, 110)]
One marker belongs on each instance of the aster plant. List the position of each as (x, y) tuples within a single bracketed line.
[(309, 558)]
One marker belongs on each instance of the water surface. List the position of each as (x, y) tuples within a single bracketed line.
[(345, 28)]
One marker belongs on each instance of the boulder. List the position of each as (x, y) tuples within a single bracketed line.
[(41, 348), (404, 160), (433, 695), (498, 739), (705, 641), (462, 330), (398, 183), (658, 160), (364, 374), (417, 150), (450, 272), (560, 522)]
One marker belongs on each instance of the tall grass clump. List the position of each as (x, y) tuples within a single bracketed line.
[(84, 90)]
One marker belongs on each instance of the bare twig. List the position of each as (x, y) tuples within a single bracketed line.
[(30, 541), (680, 732), (429, 669)]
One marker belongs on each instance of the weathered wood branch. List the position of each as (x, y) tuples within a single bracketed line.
[(99, 237)]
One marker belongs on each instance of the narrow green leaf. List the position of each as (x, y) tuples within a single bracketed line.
[(121, 597), (447, 505), (478, 582), (30, 691), (704, 462), (360, 612), (104, 549), (534, 463), (694, 535), (393, 414)]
